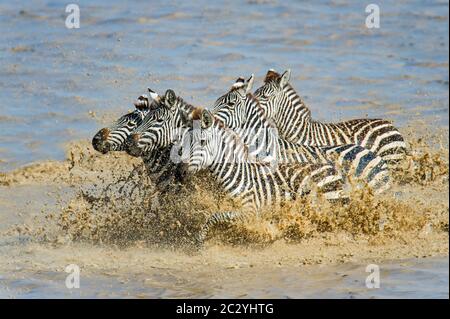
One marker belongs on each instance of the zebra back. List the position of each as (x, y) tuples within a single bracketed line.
[(242, 112), (257, 184), (293, 118)]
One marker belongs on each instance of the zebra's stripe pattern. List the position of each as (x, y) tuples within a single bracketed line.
[(162, 127), (242, 112), (285, 107), (255, 184)]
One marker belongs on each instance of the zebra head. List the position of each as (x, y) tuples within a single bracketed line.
[(161, 127), (271, 94), (113, 137), (229, 107)]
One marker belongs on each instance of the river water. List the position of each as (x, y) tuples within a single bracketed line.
[(60, 85)]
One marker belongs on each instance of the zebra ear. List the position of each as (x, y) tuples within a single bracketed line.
[(153, 95), (249, 84), (142, 102), (170, 98), (207, 119), (285, 77)]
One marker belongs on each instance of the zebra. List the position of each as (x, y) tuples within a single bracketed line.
[(161, 171), (254, 183), (285, 107), (241, 111), (257, 184)]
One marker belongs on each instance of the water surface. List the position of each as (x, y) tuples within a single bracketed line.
[(51, 77), (59, 85)]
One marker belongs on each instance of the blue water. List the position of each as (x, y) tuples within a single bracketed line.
[(51, 76)]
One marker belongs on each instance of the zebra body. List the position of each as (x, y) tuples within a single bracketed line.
[(258, 184), (242, 112), (285, 107), (255, 184)]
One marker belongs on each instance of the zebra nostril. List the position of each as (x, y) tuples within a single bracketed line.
[(99, 141)]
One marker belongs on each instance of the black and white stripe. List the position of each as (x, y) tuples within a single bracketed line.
[(255, 184), (114, 137), (285, 107), (242, 112), (161, 171), (162, 126)]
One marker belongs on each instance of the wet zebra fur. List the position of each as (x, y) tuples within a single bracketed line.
[(242, 112), (285, 107), (255, 184), (263, 185)]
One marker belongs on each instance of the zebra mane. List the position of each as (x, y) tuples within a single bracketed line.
[(182, 106), (300, 104), (272, 75), (196, 114), (185, 106)]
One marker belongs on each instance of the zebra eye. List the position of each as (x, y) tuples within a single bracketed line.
[(131, 123), (230, 104)]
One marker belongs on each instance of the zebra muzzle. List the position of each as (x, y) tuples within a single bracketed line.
[(99, 141)]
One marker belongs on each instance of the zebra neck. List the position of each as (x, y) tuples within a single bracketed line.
[(255, 115), (231, 152), (257, 131), (291, 115), (296, 102), (184, 106)]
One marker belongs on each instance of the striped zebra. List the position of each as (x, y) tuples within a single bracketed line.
[(161, 128), (242, 176), (285, 107), (161, 170), (254, 183), (242, 112)]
